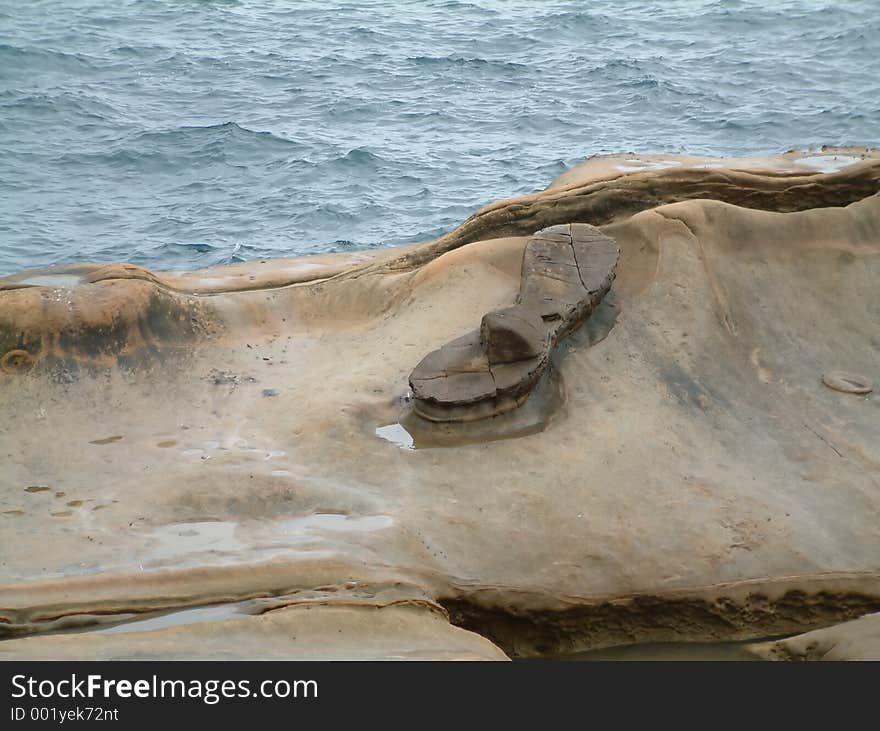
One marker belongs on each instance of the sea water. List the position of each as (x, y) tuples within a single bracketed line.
[(178, 134)]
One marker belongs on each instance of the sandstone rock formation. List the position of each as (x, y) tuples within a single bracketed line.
[(304, 631), (566, 270), (855, 640), (176, 444)]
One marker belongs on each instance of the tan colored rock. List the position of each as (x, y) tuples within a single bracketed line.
[(697, 481), (512, 335), (856, 640), (302, 632)]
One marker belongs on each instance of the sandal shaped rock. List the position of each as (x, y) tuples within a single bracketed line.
[(566, 271)]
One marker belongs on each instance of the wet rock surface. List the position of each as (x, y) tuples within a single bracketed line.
[(566, 270), (334, 630), (696, 480)]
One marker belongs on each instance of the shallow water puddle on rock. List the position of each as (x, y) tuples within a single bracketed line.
[(695, 651), (630, 164), (396, 434), (252, 539), (176, 539), (828, 163), (63, 281), (303, 266), (336, 522), (175, 618)]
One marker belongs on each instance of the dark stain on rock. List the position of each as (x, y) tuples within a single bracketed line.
[(126, 317), (846, 257), (16, 361), (227, 378), (37, 488), (106, 440), (602, 321), (688, 392)]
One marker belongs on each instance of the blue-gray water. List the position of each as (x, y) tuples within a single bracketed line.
[(183, 133)]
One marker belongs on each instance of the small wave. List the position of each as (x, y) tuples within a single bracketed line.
[(43, 59), (67, 107), (457, 5), (617, 65), (577, 22), (467, 62), (358, 158), (223, 130), (240, 252), (278, 130), (196, 246), (192, 146)]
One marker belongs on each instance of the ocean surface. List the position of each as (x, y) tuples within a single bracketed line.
[(178, 134)]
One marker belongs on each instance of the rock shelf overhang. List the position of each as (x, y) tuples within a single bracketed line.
[(200, 449)]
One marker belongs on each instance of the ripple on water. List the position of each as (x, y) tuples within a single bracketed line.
[(247, 130)]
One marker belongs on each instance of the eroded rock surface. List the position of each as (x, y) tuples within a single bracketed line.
[(698, 482), (566, 270), (855, 640), (304, 631)]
